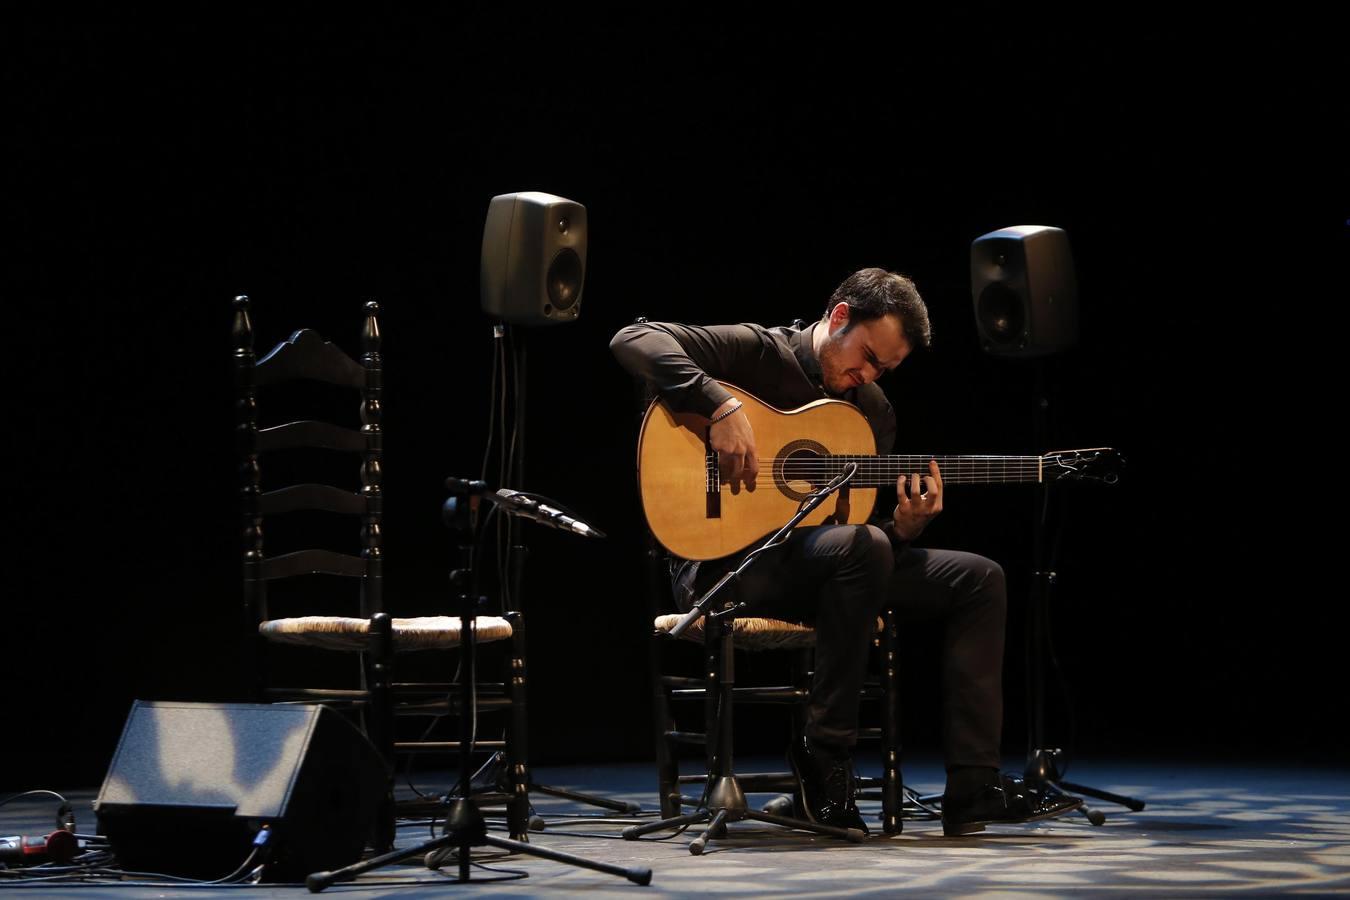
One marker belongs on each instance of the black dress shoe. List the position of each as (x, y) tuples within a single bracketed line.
[(826, 788), (1010, 802)]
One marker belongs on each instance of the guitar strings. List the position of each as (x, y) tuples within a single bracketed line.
[(876, 471), (880, 471)]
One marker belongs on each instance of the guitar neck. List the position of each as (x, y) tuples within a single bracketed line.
[(877, 471)]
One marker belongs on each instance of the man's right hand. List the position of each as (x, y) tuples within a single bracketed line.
[(734, 441)]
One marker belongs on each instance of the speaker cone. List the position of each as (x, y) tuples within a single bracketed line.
[(1001, 314), (564, 278)]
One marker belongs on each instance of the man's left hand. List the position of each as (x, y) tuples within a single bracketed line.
[(919, 504)]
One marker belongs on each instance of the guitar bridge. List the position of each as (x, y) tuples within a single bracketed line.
[(713, 486)]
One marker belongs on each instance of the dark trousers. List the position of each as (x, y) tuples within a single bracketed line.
[(839, 578)]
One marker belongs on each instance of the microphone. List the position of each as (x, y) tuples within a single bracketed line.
[(518, 504)]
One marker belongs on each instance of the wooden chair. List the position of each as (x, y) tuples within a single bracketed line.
[(752, 635), (356, 626)]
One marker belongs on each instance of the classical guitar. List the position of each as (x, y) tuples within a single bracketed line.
[(695, 515)]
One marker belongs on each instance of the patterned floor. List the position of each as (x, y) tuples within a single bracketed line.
[(1209, 830)]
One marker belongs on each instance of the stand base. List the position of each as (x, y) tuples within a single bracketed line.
[(1042, 772), (465, 829), (726, 803)]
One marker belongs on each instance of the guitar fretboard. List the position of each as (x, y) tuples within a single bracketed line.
[(878, 471)]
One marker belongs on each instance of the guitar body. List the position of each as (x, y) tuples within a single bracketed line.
[(694, 516)]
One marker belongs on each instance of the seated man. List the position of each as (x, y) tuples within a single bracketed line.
[(838, 578)]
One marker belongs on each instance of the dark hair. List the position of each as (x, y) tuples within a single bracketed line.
[(873, 293)]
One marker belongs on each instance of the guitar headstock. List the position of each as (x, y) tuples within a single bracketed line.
[(1100, 464)]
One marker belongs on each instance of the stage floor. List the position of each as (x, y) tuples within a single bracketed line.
[(1208, 830)]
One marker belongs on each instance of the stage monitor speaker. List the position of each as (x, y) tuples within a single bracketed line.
[(533, 262), (192, 784), (1025, 290)]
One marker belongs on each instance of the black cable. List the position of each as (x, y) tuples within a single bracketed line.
[(498, 384), (459, 669), (81, 864), (434, 722), (516, 410), (600, 819), (41, 791), (92, 868), (407, 769), (917, 800), (450, 792), (507, 463), (492, 402), (108, 880), (1070, 711), (511, 874), (707, 780), (476, 860), (162, 880)]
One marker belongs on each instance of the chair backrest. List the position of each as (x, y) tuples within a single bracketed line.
[(307, 357)]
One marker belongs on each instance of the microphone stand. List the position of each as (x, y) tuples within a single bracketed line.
[(701, 606), (724, 800), (464, 826)]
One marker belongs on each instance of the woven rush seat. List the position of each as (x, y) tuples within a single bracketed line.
[(345, 633), (754, 634), (750, 633)]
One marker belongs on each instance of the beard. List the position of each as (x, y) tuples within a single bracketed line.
[(832, 376)]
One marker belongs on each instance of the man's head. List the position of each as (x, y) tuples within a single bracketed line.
[(872, 322)]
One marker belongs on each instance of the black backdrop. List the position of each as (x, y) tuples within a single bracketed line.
[(731, 172)]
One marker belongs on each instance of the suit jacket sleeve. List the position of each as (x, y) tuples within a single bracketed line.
[(685, 362)]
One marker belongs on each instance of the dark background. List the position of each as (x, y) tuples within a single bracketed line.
[(160, 165)]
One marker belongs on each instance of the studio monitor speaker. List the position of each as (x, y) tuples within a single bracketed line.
[(533, 262), (1025, 291)]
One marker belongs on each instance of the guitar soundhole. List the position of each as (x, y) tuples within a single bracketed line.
[(799, 468)]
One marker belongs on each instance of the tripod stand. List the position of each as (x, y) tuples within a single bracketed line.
[(464, 826), (1042, 770), (723, 798)]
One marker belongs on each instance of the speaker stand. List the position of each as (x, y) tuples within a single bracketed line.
[(520, 553), (1042, 769)]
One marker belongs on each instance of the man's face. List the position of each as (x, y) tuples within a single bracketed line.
[(857, 355)]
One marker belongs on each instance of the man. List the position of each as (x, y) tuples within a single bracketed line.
[(839, 577)]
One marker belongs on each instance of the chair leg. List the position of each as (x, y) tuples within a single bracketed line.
[(800, 672), (667, 760), (892, 784), (380, 718), (517, 744), (712, 721)]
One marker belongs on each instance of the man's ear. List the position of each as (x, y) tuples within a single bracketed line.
[(838, 316)]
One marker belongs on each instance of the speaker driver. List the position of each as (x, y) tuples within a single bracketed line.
[(1001, 314), (564, 279)]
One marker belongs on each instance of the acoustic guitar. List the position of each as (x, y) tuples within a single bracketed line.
[(696, 515)]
